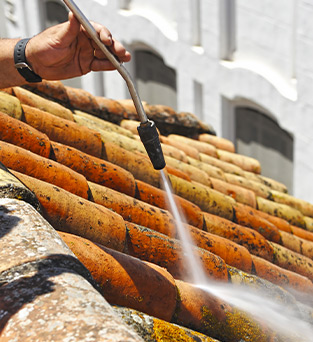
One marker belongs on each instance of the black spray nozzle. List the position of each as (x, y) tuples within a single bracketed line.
[(150, 138)]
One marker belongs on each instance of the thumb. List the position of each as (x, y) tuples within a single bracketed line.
[(74, 23), (69, 30)]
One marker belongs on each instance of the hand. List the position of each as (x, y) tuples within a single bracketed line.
[(66, 50)]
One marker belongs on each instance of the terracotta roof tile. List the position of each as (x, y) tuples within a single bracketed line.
[(87, 174), (45, 292)]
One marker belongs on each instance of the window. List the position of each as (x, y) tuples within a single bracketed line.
[(55, 12), (261, 137), (125, 4), (196, 22), (227, 29), (198, 100), (156, 82)]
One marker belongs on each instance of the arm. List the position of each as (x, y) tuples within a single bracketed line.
[(60, 52), (8, 74)]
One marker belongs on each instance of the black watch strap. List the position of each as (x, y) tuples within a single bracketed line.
[(21, 64)]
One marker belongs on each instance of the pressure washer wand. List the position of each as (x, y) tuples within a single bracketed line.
[(147, 129)]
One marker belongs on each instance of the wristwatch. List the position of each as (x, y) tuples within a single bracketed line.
[(21, 64)]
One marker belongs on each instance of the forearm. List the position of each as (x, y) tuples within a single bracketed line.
[(60, 52), (9, 76)]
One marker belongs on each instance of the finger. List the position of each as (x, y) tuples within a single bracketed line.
[(125, 58), (104, 34), (68, 31), (106, 37), (117, 49), (101, 65), (99, 53)]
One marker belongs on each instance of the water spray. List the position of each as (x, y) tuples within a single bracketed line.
[(147, 129)]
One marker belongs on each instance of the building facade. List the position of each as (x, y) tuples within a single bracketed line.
[(244, 66)]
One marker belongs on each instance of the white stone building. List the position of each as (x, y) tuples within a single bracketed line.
[(244, 66)]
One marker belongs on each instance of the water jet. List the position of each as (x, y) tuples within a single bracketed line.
[(282, 318)]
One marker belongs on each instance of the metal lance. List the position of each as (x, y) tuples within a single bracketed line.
[(147, 129)]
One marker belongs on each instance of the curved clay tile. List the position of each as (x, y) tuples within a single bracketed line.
[(28, 98), (150, 245), (31, 164), (54, 90), (134, 210), (304, 207), (70, 213), (236, 242), (94, 169), (46, 292), (209, 200), (293, 216), (252, 240), (95, 123), (155, 329), (218, 142), (10, 105), (259, 189), (82, 100), (238, 193), (212, 171), (19, 133), (125, 280), (111, 110), (64, 131), (188, 150), (158, 197), (11, 187), (246, 163), (199, 145), (193, 172)]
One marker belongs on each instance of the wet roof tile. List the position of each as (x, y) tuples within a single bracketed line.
[(81, 158)]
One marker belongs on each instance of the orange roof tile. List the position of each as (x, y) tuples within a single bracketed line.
[(94, 184)]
